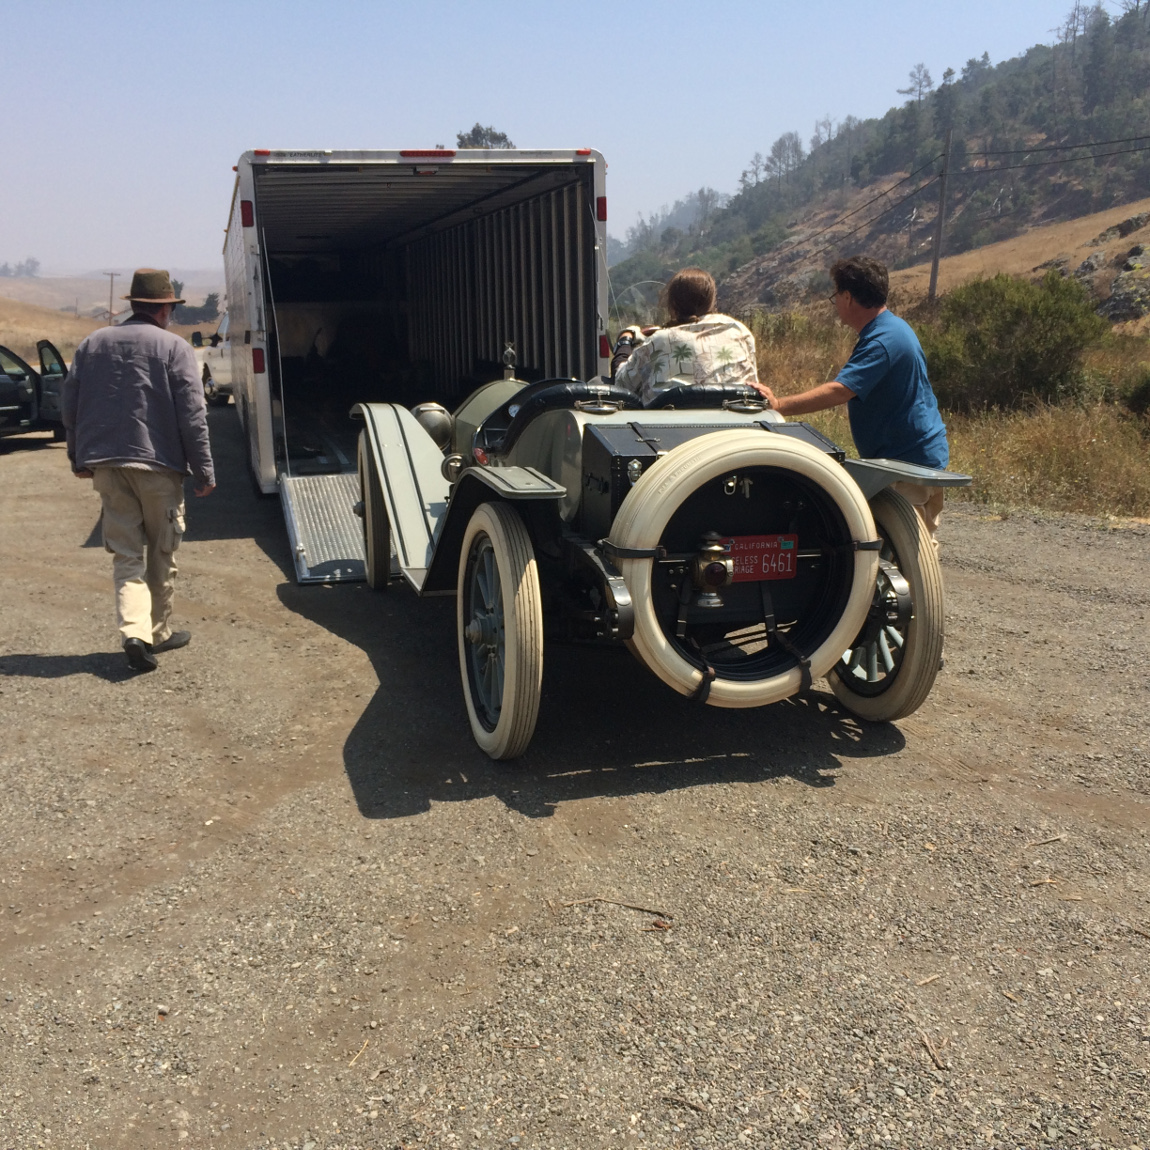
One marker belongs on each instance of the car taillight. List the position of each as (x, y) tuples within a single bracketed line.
[(247, 214), (601, 209), (604, 347), (258, 360)]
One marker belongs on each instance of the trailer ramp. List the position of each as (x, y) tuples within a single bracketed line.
[(325, 532)]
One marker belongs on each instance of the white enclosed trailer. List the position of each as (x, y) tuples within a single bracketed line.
[(398, 276)]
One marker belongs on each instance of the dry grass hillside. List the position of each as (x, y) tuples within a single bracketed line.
[(22, 324), (1023, 254), (88, 295)]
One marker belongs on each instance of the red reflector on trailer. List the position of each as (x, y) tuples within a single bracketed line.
[(247, 214), (261, 151), (258, 360), (604, 347), (480, 455), (234, 168), (601, 209), (427, 153), (582, 151)]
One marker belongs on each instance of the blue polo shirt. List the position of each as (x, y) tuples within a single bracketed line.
[(893, 414)]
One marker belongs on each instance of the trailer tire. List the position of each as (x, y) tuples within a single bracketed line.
[(376, 528), (499, 620), (660, 491), (899, 690)]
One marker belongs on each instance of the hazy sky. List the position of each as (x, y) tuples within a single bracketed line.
[(121, 121)]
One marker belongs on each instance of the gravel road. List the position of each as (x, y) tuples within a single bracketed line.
[(273, 896)]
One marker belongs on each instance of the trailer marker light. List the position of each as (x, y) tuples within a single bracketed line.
[(601, 209), (604, 347), (427, 153), (235, 168), (261, 151), (258, 360), (247, 214), (582, 151)]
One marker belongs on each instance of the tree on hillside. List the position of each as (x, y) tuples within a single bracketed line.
[(28, 267), (920, 83), (483, 137)]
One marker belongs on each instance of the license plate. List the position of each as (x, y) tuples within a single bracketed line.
[(761, 557)]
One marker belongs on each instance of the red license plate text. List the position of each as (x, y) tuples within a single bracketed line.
[(761, 557)]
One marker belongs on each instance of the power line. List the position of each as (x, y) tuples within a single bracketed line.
[(1059, 147), (875, 219), (1047, 163), (875, 199)]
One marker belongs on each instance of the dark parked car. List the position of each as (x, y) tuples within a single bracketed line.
[(31, 399)]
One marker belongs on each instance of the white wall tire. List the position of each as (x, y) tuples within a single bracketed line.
[(889, 670), (499, 622), (376, 528), (656, 497)]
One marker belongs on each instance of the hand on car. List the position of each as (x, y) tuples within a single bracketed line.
[(767, 394)]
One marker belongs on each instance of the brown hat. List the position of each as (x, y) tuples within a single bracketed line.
[(150, 285)]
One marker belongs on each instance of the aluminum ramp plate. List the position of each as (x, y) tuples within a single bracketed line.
[(326, 534)]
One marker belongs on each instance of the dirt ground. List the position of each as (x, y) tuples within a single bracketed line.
[(272, 895)]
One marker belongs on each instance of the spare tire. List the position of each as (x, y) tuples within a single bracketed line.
[(746, 482)]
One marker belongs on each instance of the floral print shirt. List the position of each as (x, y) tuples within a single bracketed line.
[(714, 350)]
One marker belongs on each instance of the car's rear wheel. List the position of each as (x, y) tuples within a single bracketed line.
[(762, 641), (376, 528), (889, 669), (500, 625)]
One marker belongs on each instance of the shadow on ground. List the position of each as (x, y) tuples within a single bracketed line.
[(101, 664), (607, 726)]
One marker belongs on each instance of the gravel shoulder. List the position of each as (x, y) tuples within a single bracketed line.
[(273, 896)]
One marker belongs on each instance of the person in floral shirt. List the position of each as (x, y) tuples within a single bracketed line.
[(699, 346)]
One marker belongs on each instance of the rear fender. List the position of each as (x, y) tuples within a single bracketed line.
[(875, 475), (536, 498)]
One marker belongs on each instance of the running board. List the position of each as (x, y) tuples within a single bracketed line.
[(326, 534)]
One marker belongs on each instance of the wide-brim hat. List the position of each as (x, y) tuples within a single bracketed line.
[(151, 285)]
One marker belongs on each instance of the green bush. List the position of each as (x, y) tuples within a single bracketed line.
[(1006, 343), (1137, 399)]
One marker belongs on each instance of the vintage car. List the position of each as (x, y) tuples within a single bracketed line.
[(739, 556), (30, 399)]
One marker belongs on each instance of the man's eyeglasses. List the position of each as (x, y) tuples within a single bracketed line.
[(832, 298)]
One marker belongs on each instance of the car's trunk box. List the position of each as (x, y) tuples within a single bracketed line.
[(608, 452)]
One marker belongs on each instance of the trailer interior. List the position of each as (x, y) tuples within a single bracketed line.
[(405, 283)]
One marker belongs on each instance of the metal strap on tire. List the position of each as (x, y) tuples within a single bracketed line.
[(783, 641), (703, 690), (606, 547)]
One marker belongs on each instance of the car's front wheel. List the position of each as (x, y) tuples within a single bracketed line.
[(499, 620), (890, 668)]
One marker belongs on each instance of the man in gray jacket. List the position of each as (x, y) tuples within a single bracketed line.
[(136, 422)]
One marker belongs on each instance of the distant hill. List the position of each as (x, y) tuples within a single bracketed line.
[(23, 324), (1057, 133), (88, 296)]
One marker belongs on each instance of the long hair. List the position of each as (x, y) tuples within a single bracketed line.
[(690, 295)]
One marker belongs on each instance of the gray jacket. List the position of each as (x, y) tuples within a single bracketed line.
[(133, 395)]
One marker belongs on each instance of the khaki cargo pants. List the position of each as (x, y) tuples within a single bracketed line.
[(927, 501), (143, 524)]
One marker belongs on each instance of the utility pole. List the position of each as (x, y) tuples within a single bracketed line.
[(932, 294), (112, 279)]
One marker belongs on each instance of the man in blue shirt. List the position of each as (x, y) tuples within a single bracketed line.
[(892, 409)]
